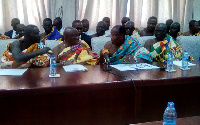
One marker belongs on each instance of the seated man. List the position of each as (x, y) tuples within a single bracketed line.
[(79, 26), (20, 31), (100, 29), (107, 20), (86, 26), (168, 23), (25, 53), (175, 30), (131, 30), (123, 48), (99, 38), (12, 33), (149, 31), (50, 32), (124, 20), (162, 44), (57, 24), (193, 29), (72, 50)]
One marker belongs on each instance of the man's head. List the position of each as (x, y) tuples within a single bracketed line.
[(101, 28), (31, 32), (47, 25), (85, 23), (107, 20), (168, 23), (78, 25), (20, 29), (129, 26), (151, 24), (14, 23), (57, 23), (174, 29), (118, 34), (160, 31), (194, 26), (71, 36), (124, 20)]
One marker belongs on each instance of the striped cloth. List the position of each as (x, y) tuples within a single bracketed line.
[(160, 50)]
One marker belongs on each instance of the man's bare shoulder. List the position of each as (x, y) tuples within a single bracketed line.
[(108, 44), (15, 44), (149, 43), (143, 32)]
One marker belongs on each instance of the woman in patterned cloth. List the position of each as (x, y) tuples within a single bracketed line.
[(25, 53), (124, 49)]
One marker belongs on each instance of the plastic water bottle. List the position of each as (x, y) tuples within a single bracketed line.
[(170, 61), (170, 116), (52, 65), (185, 59)]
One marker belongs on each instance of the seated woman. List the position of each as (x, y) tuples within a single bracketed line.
[(72, 51), (124, 49)]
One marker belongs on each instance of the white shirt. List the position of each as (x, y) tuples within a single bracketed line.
[(108, 32), (89, 32), (14, 34), (98, 43), (62, 30)]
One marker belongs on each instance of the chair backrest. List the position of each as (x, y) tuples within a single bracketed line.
[(142, 40), (191, 44), (98, 43), (51, 43)]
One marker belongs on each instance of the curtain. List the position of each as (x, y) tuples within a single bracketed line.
[(35, 11), (96, 10), (177, 10), (28, 11), (65, 9)]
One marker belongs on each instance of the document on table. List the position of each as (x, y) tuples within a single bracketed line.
[(12, 72), (179, 63), (126, 67), (74, 68)]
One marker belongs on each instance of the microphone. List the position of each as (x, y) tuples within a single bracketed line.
[(105, 52)]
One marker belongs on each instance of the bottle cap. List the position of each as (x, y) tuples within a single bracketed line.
[(170, 105)]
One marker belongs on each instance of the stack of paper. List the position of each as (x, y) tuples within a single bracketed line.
[(12, 72), (179, 63), (126, 67), (74, 68)]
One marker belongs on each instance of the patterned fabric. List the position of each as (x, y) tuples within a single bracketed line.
[(83, 51), (130, 47), (7, 60), (136, 33), (2, 37), (197, 34), (179, 34), (160, 49), (53, 35)]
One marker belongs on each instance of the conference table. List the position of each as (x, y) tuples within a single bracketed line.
[(195, 120), (97, 97)]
